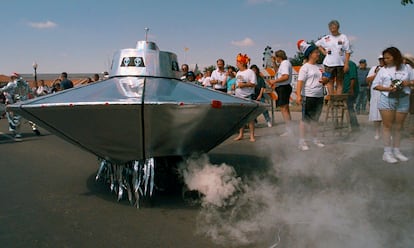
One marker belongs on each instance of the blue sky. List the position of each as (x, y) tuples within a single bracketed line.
[(80, 36)]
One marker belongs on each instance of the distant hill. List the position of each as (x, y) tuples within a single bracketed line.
[(4, 78)]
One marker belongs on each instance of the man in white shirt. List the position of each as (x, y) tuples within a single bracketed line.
[(337, 50), (219, 77)]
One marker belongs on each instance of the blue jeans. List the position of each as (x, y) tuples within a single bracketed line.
[(352, 115), (361, 100), (265, 113)]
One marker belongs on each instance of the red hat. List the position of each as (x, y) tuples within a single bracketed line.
[(244, 59), (15, 74)]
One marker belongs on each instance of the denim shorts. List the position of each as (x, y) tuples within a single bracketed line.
[(400, 104)]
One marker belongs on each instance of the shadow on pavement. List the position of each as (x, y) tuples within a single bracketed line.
[(174, 197)]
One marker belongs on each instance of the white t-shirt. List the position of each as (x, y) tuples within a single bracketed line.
[(311, 75), (206, 82), (221, 76), (40, 91), (385, 76), (372, 71), (336, 47), (247, 75), (285, 68)]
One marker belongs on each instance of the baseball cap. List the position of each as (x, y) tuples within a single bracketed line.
[(363, 61), (409, 58), (190, 74)]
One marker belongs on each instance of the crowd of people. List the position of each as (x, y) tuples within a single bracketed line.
[(386, 88), (19, 89)]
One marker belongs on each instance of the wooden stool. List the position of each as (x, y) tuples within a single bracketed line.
[(337, 109)]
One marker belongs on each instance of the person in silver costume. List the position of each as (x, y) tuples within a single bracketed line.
[(17, 90)]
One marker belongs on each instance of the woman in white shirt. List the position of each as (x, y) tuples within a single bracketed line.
[(245, 83), (393, 81), (309, 93)]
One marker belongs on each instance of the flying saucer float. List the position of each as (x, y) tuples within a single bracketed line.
[(141, 113)]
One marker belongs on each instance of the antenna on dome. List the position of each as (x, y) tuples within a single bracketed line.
[(146, 34)]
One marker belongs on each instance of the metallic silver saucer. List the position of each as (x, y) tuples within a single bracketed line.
[(142, 111)]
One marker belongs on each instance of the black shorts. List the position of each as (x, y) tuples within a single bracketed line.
[(336, 71), (283, 94), (311, 108)]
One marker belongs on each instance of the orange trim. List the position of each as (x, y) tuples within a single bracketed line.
[(271, 72), (273, 95)]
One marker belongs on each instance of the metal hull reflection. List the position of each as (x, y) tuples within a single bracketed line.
[(133, 118)]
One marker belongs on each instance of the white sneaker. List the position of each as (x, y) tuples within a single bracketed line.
[(389, 158), (400, 156), (303, 146), (269, 124), (17, 136), (318, 143)]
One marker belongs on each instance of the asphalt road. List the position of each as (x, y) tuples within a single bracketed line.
[(342, 195)]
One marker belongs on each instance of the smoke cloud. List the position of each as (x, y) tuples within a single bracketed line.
[(330, 197), (217, 184)]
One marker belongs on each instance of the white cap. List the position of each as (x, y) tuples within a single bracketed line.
[(409, 58)]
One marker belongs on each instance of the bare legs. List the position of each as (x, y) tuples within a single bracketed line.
[(313, 129), (377, 125), (331, 88), (339, 86), (286, 116), (392, 125), (251, 129)]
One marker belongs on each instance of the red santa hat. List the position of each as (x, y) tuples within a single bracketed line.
[(305, 47)]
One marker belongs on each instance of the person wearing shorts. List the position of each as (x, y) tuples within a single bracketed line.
[(337, 74), (310, 94), (337, 50), (394, 101), (282, 85)]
